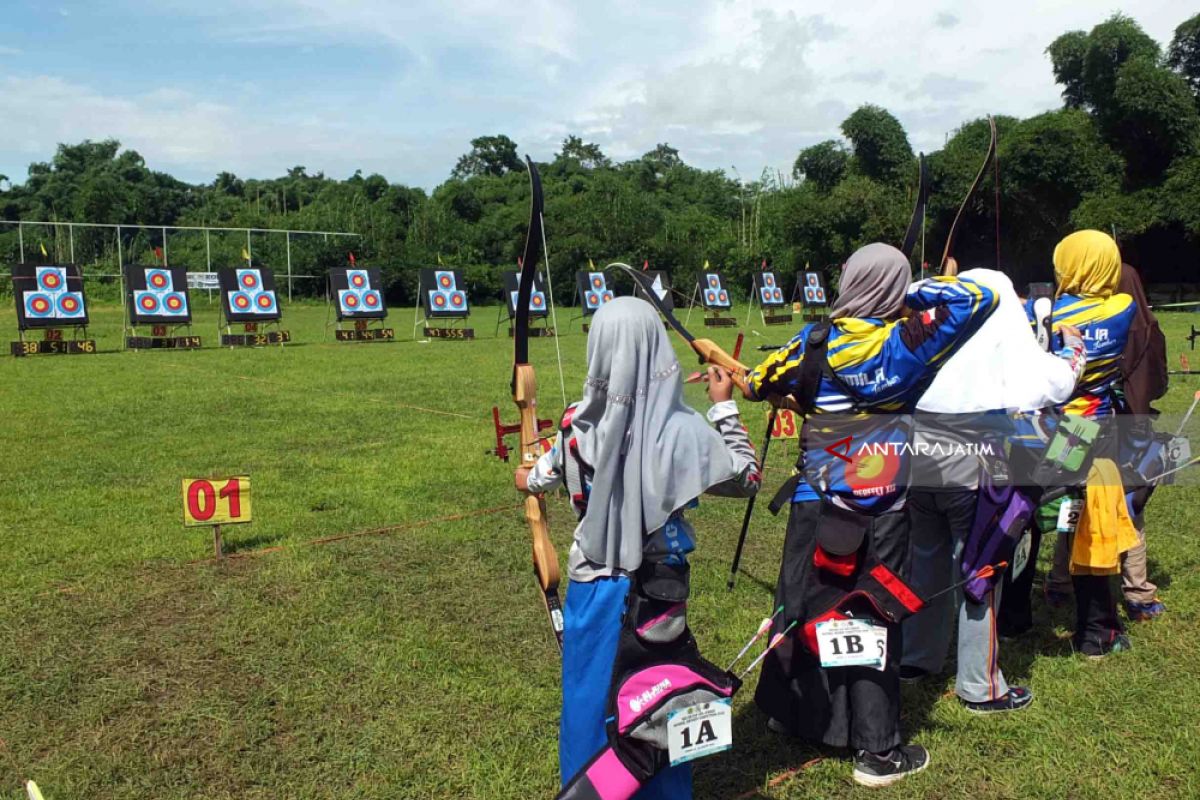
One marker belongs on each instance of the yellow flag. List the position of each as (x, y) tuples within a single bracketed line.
[(44, 253), (591, 265), (439, 259), (706, 266), (245, 254)]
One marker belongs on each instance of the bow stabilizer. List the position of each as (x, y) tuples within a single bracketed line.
[(524, 392)]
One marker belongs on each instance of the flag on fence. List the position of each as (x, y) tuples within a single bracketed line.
[(591, 266), (158, 253), (246, 255), (352, 261), (44, 253)]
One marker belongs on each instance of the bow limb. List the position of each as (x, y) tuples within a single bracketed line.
[(987, 159), (524, 391), (708, 350)]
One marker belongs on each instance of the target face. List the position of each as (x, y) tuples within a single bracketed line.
[(768, 279), (175, 303), (357, 279), (70, 305), (710, 297), (51, 279), (147, 302), (458, 300), (38, 304), (372, 300), (714, 282), (158, 280), (241, 301), (593, 299), (445, 280), (249, 279), (350, 301), (439, 299)]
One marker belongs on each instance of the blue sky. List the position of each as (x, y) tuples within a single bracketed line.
[(400, 88)]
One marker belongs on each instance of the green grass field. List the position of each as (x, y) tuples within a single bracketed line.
[(411, 658)]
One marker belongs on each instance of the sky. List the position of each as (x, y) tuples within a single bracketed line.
[(400, 87)]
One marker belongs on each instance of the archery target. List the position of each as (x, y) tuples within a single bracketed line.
[(539, 302), (868, 470), (358, 294), (599, 294), (446, 298), (46, 295), (814, 289), (769, 293), (157, 294), (713, 294), (249, 294)]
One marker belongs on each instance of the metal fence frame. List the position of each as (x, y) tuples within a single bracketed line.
[(164, 228)]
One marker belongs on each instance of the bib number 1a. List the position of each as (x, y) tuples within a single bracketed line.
[(699, 731)]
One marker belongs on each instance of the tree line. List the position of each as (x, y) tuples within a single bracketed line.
[(1122, 154)]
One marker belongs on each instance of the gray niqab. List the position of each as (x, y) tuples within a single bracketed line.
[(651, 453), (874, 283)]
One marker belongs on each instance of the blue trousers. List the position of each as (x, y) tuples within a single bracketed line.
[(592, 622)]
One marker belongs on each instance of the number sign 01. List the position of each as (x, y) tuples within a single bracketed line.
[(216, 501)]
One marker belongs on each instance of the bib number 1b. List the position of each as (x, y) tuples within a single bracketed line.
[(852, 643)]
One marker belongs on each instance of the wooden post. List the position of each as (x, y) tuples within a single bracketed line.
[(218, 550)]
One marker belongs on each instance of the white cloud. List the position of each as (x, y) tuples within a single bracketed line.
[(745, 82)]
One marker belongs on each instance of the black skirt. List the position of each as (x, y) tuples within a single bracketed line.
[(857, 707)]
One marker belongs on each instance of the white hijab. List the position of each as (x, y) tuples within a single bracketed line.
[(1001, 367)]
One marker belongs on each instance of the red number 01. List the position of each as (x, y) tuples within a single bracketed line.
[(202, 499)]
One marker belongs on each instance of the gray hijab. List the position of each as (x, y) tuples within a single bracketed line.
[(874, 283), (651, 452)]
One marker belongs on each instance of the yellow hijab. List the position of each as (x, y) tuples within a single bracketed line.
[(1088, 264)]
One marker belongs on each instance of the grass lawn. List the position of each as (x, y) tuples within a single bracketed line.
[(413, 660)]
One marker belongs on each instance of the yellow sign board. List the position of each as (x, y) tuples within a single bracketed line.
[(216, 501), (786, 425)]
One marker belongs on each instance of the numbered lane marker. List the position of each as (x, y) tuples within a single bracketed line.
[(216, 502)]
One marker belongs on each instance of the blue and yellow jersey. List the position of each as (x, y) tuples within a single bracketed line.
[(881, 368), (1104, 323)]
